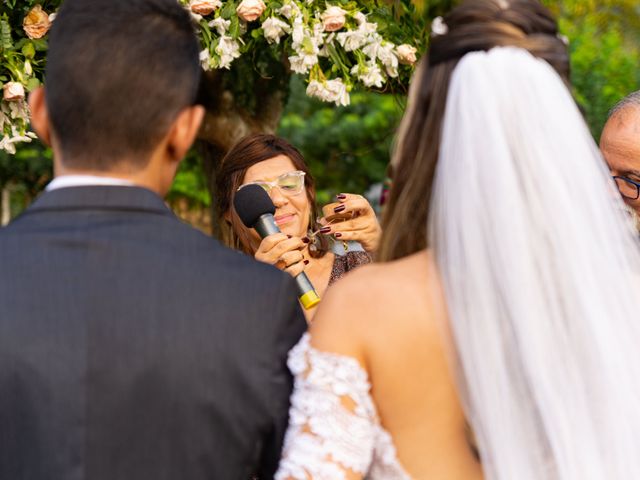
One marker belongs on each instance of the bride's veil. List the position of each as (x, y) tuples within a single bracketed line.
[(540, 271)]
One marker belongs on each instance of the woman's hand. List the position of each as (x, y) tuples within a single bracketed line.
[(353, 219), (283, 251)]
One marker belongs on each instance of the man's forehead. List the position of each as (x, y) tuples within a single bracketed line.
[(625, 121), (622, 131)]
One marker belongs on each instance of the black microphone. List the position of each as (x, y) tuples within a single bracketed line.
[(255, 209)]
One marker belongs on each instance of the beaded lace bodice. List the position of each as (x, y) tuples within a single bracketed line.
[(333, 423)]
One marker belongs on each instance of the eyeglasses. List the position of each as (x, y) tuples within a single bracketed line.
[(628, 188), (290, 183)]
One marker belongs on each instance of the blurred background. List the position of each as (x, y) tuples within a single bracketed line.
[(347, 148)]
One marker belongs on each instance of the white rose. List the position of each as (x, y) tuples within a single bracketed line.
[(303, 62), (360, 17), (383, 51), (274, 28), (369, 28), (289, 10), (250, 10), (205, 59), (204, 7), (338, 92), (406, 54), (370, 74), (329, 91), (298, 32), (352, 40), (221, 25), (333, 19), (13, 91), (228, 50)]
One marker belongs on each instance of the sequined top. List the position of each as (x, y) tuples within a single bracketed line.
[(347, 262)]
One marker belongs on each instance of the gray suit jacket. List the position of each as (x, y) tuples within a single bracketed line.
[(133, 347)]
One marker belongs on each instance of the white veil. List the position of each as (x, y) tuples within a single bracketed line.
[(540, 272)]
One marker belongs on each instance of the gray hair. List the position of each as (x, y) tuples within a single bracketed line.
[(631, 100)]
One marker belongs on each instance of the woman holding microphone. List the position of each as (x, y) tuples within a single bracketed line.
[(326, 248)]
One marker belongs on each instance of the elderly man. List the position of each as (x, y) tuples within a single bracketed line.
[(620, 145)]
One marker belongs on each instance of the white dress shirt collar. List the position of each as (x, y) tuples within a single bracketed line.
[(65, 181)]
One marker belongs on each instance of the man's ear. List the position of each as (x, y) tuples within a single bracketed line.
[(40, 115), (183, 132)]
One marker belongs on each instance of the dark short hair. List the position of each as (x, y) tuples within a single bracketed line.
[(118, 72)]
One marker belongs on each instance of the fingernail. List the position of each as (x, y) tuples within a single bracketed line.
[(305, 240), (306, 262), (340, 208), (342, 196), (337, 235), (325, 229)]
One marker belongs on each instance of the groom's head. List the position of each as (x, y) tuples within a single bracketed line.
[(121, 83)]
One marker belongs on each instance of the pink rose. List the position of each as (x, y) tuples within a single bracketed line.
[(333, 19), (204, 7), (36, 24), (250, 10), (13, 91), (406, 54)]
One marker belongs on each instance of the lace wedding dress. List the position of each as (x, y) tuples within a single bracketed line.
[(334, 429)]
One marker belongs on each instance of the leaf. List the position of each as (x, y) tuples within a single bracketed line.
[(5, 34), (40, 44), (32, 84), (28, 50), (228, 10), (234, 28)]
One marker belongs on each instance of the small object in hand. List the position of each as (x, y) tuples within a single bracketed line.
[(333, 212)]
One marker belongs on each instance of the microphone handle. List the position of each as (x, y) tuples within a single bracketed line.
[(265, 226)]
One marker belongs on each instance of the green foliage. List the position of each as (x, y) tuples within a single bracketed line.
[(25, 174), (604, 69), (605, 52), (347, 148), (190, 183), (31, 167)]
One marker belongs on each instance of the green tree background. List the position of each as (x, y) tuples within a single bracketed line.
[(348, 148)]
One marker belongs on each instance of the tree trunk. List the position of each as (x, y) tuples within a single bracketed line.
[(225, 123), (5, 205)]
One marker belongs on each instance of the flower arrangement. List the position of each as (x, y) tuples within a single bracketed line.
[(22, 52), (336, 44)]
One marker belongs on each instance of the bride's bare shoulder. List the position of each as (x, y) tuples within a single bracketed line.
[(380, 285), (366, 300)]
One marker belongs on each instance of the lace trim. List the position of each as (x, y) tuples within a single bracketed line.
[(333, 424)]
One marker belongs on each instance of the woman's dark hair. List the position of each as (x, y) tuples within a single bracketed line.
[(473, 26), (230, 174)]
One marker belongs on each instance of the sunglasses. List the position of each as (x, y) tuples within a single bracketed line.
[(290, 183)]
